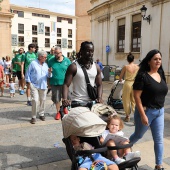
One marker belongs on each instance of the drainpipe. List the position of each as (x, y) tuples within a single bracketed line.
[(160, 30)]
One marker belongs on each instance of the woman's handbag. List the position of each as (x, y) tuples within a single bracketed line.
[(92, 91)]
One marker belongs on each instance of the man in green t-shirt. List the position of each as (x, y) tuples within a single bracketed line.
[(59, 65), (18, 58), (25, 62)]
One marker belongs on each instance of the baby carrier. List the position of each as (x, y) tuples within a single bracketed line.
[(115, 97), (88, 126)]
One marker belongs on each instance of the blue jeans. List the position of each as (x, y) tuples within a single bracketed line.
[(156, 123)]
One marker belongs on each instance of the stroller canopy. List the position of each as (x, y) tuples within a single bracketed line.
[(82, 122)]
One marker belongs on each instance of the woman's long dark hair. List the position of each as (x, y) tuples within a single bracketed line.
[(144, 66)]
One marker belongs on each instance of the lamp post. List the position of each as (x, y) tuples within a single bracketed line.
[(143, 14)]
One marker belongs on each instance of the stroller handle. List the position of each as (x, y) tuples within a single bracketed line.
[(89, 152)]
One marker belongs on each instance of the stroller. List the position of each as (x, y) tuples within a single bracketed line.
[(88, 126), (115, 97)]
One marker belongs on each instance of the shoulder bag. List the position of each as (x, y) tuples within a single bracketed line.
[(92, 91)]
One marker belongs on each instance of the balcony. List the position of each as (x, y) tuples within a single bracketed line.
[(47, 44), (47, 33), (69, 46), (21, 44)]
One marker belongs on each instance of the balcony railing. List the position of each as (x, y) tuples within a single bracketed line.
[(69, 35), (69, 46), (58, 34), (34, 32), (47, 33), (47, 44), (21, 44)]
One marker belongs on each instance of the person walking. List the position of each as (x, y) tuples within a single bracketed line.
[(2, 75), (150, 89), (75, 75), (36, 76), (128, 72), (7, 69), (50, 56), (59, 65), (25, 62), (21, 82), (101, 67)]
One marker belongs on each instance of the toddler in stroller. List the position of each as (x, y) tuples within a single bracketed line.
[(115, 136), (88, 126), (115, 97)]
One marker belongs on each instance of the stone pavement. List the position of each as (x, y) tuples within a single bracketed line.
[(31, 147)]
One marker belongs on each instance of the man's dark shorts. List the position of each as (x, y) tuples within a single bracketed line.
[(19, 75)]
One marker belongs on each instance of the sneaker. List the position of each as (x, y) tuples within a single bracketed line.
[(19, 89), (159, 167), (119, 160), (42, 118), (57, 116), (131, 155), (65, 110), (32, 121), (21, 92), (29, 103)]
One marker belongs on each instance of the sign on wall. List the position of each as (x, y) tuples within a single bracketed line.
[(40, 28), (14, 39), (64, 43)]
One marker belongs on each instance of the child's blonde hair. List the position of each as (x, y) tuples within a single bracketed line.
[(116, 117)]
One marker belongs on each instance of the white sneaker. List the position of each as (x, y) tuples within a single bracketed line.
[(119, 160), (131, 155)]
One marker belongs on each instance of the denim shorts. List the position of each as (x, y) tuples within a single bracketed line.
[(87, 162)]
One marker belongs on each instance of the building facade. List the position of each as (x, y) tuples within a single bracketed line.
[(43, 28), (83, 23), (119, 26), (5, 28)]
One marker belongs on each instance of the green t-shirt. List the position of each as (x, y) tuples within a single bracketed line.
[(49, 57), (18, 58), (58, 70), (27, 59), (14, 66)]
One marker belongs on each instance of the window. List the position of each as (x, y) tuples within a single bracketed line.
[(59, 42), (58, 32), (21, 14), (69, 33), (21, 41), (47, 31), (21, 28), (69, 43), (69, 21), (121, 35), (40, 15), (35, 40), (47, 42), (136, 33), (34, 29), (59, 19)]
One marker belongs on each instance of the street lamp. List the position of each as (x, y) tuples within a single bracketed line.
[(143, 14)]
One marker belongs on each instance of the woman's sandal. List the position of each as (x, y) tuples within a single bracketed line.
[(127, 119)]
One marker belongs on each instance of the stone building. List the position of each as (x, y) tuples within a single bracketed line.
[(83, 24), (5, 28), (118, 24)]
